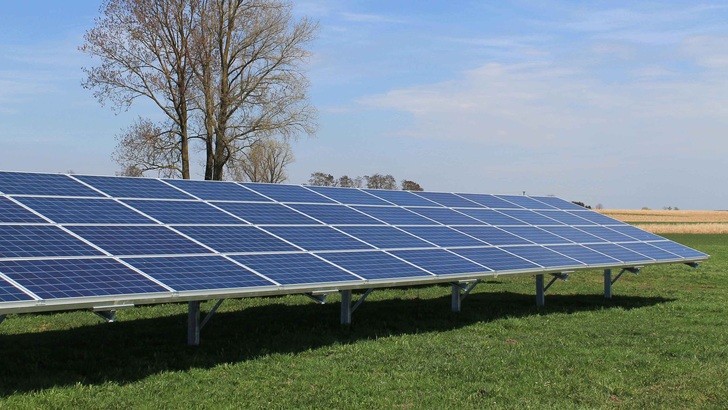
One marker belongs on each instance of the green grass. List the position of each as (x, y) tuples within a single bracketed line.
[(661, 342)]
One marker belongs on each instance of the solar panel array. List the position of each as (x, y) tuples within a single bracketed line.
[(72, 240)]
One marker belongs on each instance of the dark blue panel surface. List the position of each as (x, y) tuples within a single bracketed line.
[(607, 233), (317, 238), (495, 259), (230, 239), (401, 198), (566, 217), (349, 196), (530, 217), (493, 235), (288, 193), (678, 249), (573, 234), (266, 214), (335, 214), (597, 218), (374, 265), (492, 217), (543, 256), (558, 203), (443, 236), (440, 261), (20, 183), (395, 215), (446, 216), (650, 250), (450, 200), (636, 233), (183, 212), (584, 254), (13, 213), (72, 278), (9, 293), (217, 190), (86, 211), (124, 187), (17, 241), (525, 202), (490, 201), (385, 237), (536, 235), (198, 272), (295, 268), (138, 240), (620, 252)]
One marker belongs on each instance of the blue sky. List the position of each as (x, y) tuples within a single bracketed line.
[(619, 103)]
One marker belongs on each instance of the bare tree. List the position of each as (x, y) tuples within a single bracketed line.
[(322, 179), (265, 161), (347, 182), (147, 146), (408, 185), (379, 181)]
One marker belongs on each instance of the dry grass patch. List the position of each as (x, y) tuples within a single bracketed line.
[(665, 222), (692, 228)]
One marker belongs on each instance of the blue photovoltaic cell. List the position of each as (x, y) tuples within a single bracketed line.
[(619, 252), (450, 200), (678, 249), (138, 240), (198, 272), (335, 214), (492, 217), (650, 250), (13, 213), (71, 278), (530, 217), (385, 237), (636, 233), (495, 259), (606, 233), (17, 241), (597, 218), (558, 203), (288, 193), (446, 216), (295, 268), (217, 190), (183, 212), (317, 238), (567, 218), (124, 187), (573, 234), (9, 293), (266, 214), (401, 198), (395, 215), (231, 239), (525, 202), (85, 211), (493, 235), (374, 265), (543, 256), (443, 236), (350, 196), (584, 254), (491, 201), (19, 183), (536, 235), (440, 262)]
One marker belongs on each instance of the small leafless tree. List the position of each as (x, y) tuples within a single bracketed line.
[(379, 181), (322, 179), (346, 182), (408, 185), (265, 161)]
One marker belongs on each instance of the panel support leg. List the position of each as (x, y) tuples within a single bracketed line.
[(607, 283), (193, 323), (540, 298), (347, 308), (108, 315), (457, 298)]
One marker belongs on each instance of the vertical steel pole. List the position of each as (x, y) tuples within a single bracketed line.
[(346, 307), (193, 324), (456, 301), (540, 298), (607, 283)]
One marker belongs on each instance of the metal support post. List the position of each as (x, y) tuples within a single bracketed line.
[(108, 315), (320, 299), (540, 298), (346, 307), (607, 283), (457, 298), (193, 323)]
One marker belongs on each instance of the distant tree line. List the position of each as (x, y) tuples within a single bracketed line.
[(374, 181)]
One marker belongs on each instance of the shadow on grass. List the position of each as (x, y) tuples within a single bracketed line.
[(125, 352)]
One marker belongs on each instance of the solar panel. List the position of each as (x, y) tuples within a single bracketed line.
[(449, 200), (493, 236), (491, 201), (288, 193), (401, 198), (232, 239), (84, 211), (584, 254), (395, 215), (19, 241), (573, 234), (492, 217), (542, 256), (124, 187), (317, 238), (9, 293), (566, 218), (18, 183), (266, 214), (138, 240), (349, 196), (650, 250), (335, 214), (525, 202), (619, 252), (373, 265), (597, 218), (217, 190), (440, 261), (678, 249), (446, 216), (183, 212), (11, 212), (443, 236), (385, 237), (530, 217), (607, 234), (295, 268), (496, 259), (558, 203), (536, 235)]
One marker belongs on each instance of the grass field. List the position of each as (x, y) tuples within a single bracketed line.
[(663, 221), (661, 342)]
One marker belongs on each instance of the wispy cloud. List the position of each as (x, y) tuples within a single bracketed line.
[(371, 18)]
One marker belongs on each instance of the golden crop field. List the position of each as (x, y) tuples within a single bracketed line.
[(664, 221)]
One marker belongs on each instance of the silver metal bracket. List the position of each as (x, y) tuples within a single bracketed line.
[(347, 308), (693, 265), (320, 299), (541, 289), (108, 315), (194, 324), (465, 287)]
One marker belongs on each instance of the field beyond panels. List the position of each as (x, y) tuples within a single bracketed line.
[(663, 221)]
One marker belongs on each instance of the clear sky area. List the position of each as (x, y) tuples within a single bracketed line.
[(619, 103)]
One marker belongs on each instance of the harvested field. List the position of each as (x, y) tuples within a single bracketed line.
[(661, 222)]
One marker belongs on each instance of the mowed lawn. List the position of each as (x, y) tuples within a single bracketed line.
[(661, 342)]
